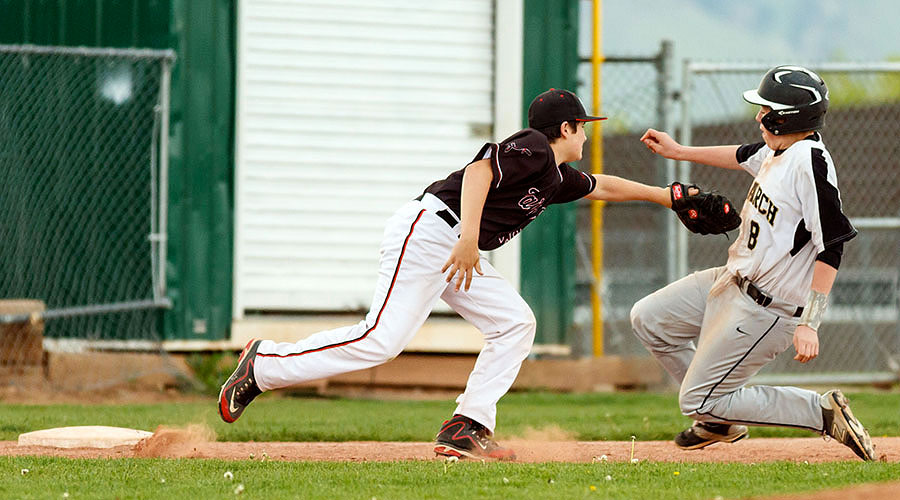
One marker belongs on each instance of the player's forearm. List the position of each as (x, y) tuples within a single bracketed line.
[(476, 183), (823, 277), (816, 302), (716, 156), (612, 188)]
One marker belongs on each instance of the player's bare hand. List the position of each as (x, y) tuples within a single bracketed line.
[(806, 342), (463, 259), (660, 143)]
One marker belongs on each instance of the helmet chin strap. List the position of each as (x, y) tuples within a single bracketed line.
[(781, 142)]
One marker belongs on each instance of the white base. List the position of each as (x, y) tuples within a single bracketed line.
[(86, 436)]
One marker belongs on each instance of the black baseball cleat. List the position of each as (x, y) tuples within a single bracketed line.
[(240, 388), (463, 437), (703, 434), (843, 426)]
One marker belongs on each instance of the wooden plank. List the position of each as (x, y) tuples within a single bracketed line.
[(452, 371)]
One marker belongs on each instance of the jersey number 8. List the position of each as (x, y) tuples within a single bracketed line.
[(754, 234)]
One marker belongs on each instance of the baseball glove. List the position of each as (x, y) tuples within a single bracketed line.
[(703, 212)]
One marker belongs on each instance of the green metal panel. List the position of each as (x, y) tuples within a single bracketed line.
[(90, 23), (79, 23), (548, 244), (201, 201), (12, 25), (202, 32)]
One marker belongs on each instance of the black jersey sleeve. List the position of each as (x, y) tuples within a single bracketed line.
[(751, 156), (744, 152), (836, 228), (832, 255), (575, 185), (523, 155), (821, 202)]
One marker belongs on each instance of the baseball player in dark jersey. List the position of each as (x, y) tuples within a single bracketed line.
[(430, 251), (714, 329)]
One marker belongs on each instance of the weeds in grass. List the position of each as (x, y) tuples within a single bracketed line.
[(211, 369)]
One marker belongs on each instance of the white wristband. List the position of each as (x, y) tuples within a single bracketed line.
[(814, 310)]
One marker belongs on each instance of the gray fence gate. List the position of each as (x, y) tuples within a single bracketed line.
[(83, 181)]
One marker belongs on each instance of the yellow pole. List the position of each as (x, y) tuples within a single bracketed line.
[(597, 164)]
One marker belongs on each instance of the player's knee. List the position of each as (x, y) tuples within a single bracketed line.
[(529, 323), (522, 329), (522, 325), (381, 349), (641, 317), (378, 355), (528, 326), (689, 402), (393, 349)]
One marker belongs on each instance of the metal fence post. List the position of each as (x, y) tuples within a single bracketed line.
[(664, 65), (164, 96), (684, 168)]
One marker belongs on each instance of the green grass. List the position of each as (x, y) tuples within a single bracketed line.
[(272, 418), (158, 478)]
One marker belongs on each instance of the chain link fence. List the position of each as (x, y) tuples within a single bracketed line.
[(861, 333), (82, 196), (635, 260)]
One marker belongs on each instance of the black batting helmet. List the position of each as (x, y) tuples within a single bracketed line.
[(798, 98)]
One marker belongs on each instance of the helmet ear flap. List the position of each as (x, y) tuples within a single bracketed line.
[(774, 122)]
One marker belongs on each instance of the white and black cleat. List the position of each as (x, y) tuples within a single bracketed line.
[(841, 425)]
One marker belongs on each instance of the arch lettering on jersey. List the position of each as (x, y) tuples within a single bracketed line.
[(763, 204)]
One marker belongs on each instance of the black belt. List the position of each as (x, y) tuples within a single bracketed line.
[(764, 300), (443, 214)]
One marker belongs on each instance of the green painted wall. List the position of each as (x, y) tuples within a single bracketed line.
[(202, 33), (201, 201), (91, 23), (548, 244)]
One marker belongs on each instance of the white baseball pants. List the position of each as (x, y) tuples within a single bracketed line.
[(712, 344), (415, 246)]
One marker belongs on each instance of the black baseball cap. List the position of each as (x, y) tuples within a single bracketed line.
[(556, 106)]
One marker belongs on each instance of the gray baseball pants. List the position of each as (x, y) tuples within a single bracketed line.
[(712, 338)]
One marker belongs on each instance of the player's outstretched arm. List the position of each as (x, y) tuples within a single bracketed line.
[(612, 188), (662, 144), (464, 256), (700, 211)]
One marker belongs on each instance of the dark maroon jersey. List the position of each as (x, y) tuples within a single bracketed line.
[(526, 180)]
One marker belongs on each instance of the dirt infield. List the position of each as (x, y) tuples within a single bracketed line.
[(198, 443), (862, 492)]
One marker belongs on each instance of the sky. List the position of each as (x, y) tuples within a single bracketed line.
[(768, 31)]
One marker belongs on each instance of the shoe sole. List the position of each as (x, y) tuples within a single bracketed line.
[(223, 402), (849, 422), (451, 451), (727, 439)]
